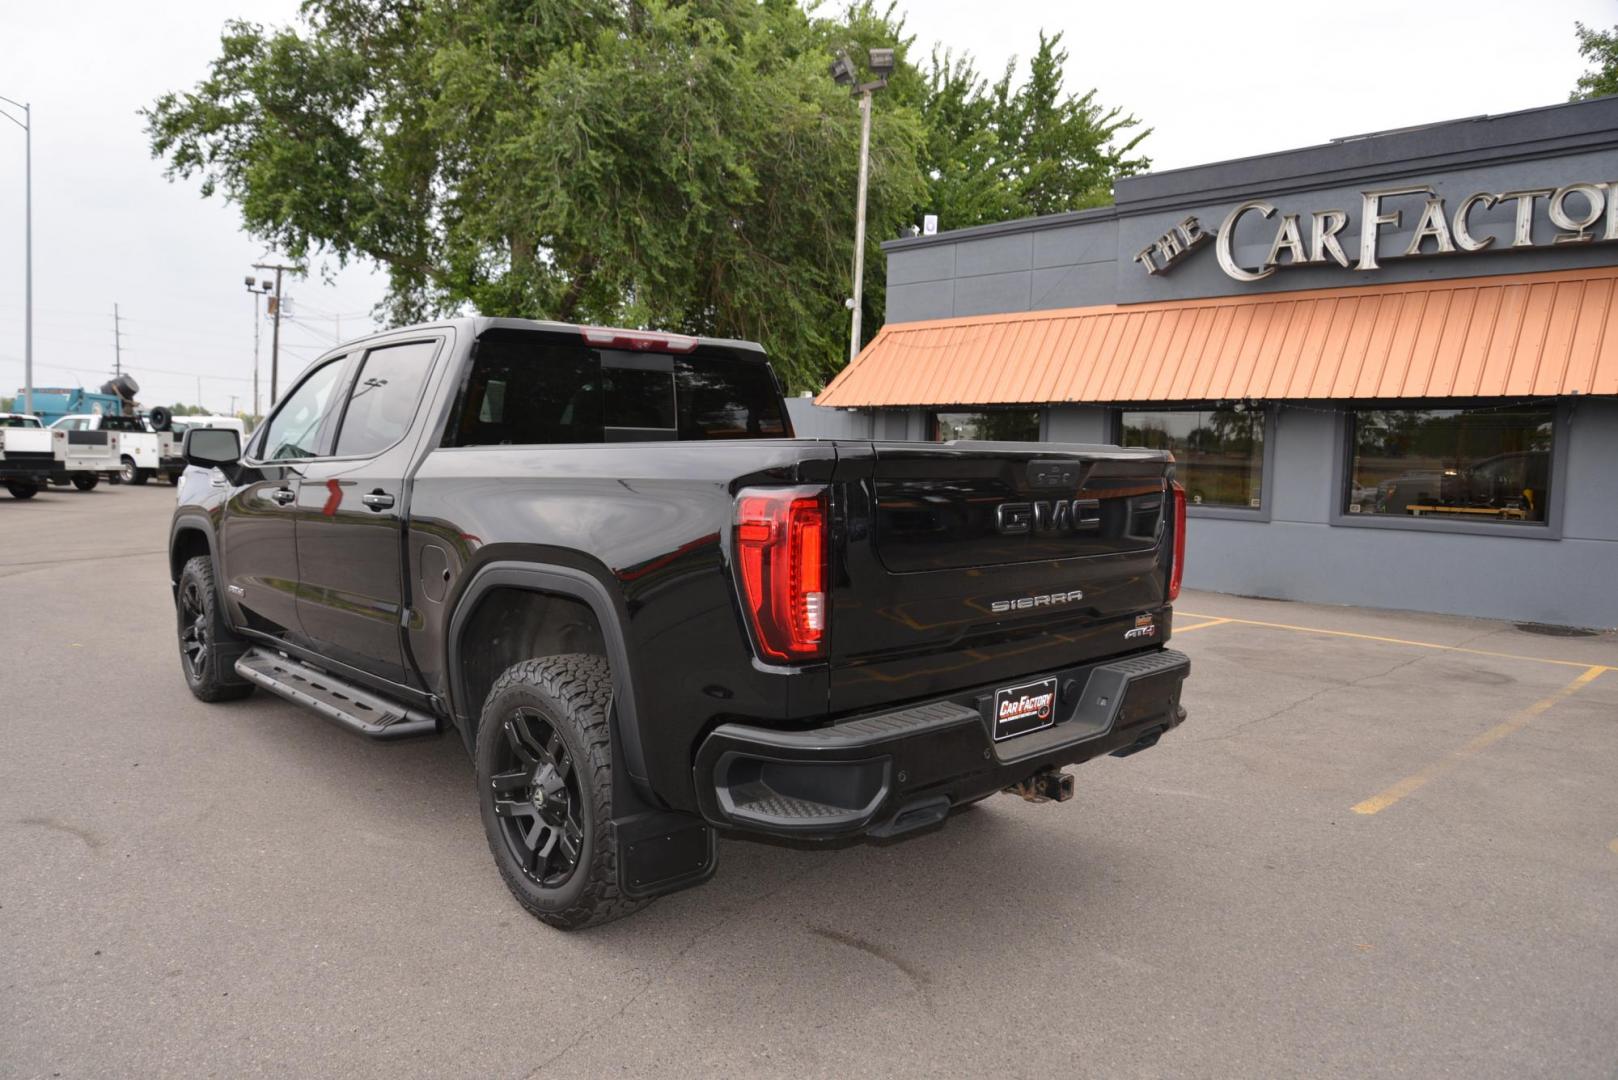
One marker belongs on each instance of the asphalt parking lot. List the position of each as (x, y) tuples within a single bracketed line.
[(1382, 845)]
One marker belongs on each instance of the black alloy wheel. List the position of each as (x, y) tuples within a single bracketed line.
[(208, 646), (193, 630), (543, 759), (537, 799)]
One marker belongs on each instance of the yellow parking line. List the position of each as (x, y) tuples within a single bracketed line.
[(1390, 640), (1612, 846), (1377, 803), (1200, 625)]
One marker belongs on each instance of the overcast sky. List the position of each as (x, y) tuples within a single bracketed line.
[(1214, 81)]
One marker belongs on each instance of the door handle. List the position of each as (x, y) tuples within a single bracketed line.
[(282, 496), (377, 500)]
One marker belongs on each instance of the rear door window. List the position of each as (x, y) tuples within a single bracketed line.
[(383, 403)]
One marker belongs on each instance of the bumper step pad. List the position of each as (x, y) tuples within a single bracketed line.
[(359, 710)]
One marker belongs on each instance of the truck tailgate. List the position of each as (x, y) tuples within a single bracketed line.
[(968, 562)]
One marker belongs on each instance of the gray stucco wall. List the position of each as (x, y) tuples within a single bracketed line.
[(811, 421), (1300, 555)]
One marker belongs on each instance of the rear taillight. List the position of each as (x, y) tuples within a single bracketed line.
[(1177, 569), (781, 541)]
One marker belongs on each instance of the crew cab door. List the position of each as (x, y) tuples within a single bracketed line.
[(257, 548), (351, 600)]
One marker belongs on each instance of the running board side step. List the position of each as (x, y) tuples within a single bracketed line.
[(360, 711)]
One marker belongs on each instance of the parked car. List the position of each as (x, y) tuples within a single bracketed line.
[(600, 558), (144, 450)]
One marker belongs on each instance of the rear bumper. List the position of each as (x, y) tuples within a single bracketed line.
[(26, 468), (887, 773)]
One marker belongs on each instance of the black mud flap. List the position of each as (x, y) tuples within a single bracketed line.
[(660, 851)]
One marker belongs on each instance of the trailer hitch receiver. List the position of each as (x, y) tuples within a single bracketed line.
[(1045, 786)]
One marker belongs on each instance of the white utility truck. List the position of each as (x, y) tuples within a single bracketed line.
[(143, 451), (32, 455)]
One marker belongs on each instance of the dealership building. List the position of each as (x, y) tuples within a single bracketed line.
[(1387, 365)]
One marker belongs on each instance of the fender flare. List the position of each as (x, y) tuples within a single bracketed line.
[(576, 585), (202, 523)]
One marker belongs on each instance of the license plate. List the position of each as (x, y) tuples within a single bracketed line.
[(1024, 708)]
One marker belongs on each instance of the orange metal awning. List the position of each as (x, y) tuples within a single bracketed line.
[(1536, 335)]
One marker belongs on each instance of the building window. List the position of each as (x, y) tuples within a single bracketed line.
[(1487, 464), (1000, 425), (1219, 452)]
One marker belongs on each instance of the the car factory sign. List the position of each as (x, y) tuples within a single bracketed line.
[(1582, 213)]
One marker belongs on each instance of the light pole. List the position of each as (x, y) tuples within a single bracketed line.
[(258, 289), (27, 125), (881, 62)]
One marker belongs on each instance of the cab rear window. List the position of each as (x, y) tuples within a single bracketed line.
[(530, 389)]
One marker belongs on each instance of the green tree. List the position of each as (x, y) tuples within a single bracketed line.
[(1600, 48), (670, 164), (674, 165), (8, 404), (1010, 150)]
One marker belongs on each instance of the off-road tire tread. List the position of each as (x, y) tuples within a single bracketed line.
[(221, 683), (581, 685)]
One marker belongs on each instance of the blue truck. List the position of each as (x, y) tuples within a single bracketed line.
[(54, 402)]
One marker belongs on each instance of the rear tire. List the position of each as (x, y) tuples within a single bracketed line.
[(544, 773), (133, 474), (22, 489), (86, 481), (208, 647)]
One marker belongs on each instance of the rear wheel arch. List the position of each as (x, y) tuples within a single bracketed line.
[(528, 611)]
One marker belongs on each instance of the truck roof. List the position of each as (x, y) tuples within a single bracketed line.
[(479, 324)]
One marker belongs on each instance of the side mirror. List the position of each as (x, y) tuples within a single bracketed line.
[(212, 448)]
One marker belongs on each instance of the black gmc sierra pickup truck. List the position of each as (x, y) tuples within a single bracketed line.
[(650, 613)]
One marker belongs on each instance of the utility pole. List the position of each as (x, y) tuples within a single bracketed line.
[(276, 304), (117, 344), (27, 125)]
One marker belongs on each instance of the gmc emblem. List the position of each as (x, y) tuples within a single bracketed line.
[(1047, 516)]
